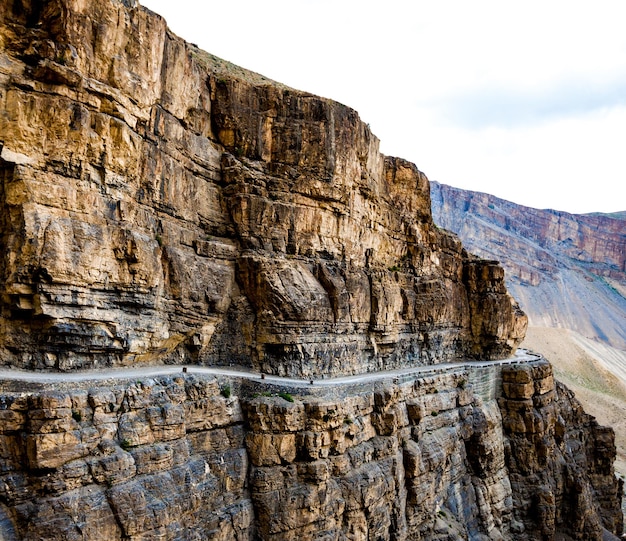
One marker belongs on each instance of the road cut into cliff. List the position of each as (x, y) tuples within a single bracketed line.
[(478, 450)]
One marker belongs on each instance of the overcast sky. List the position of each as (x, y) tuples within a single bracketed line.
[(523, 100)]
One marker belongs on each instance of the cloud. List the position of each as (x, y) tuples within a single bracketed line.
[(509, 108)]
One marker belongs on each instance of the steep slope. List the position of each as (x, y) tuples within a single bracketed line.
[(161, 205), (566, 270), (158, 205), (594, 371), (437, 457)]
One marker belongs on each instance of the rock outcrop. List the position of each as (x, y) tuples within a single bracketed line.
[(566, 270), (190, 457), (159, 205)]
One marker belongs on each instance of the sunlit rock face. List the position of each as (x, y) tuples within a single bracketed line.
[(159, 205)]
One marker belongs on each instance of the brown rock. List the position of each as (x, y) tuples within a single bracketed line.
[(181, 210)]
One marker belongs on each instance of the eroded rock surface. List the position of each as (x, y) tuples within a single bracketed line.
[(566, 270), (160, 205), (180, 458)]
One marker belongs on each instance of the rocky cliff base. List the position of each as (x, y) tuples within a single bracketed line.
[(187, 457)]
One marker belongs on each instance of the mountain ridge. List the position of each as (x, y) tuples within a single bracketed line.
[(566, 270)]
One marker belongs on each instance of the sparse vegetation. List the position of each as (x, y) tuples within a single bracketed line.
[(125, 444), (225, 391), (286, 396), (434, 413), (77, 416)]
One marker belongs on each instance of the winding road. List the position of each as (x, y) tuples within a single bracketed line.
[(16, 375)]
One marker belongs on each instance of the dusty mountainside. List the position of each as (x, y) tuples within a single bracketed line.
[(159, 205), (566, 270)]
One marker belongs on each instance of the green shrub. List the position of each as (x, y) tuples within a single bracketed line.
[(286, 396), (226, 391)]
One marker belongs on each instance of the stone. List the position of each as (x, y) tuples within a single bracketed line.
[(377, 462), (183, 210), (159, 205)]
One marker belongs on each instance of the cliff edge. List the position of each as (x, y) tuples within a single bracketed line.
[(160, 205), (493, 451)]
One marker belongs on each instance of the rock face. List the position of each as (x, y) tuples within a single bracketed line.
[(566, 270), (180, 458), (160, 205)]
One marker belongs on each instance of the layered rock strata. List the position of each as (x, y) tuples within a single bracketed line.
[(195, 458), (566, 270), (160, 205)]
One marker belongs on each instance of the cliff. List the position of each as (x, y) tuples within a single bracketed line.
[(448, 455), (162, 206), (566, 270), (159, 205)]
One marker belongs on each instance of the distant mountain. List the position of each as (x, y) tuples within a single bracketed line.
[(566, 270)]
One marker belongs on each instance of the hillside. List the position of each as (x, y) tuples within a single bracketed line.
[(565, 270), (568, 273)]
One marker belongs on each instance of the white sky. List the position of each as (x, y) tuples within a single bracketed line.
[(523, 100)]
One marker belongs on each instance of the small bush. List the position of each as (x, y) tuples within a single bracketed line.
[(286, 396), (226, 391), (77, 416), (434, 413), (125, 444), (462, 383)]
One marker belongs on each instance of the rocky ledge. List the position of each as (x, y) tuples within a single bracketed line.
[(159, 205), (190, 457)]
